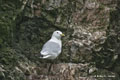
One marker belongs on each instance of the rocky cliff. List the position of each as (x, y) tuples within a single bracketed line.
[(90, 47)]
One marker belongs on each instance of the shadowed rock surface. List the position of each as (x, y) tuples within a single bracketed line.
[(90, 47)]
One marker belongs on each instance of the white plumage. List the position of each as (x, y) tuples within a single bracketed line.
[(52, 48)]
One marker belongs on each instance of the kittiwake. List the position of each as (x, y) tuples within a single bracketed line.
[(52, 48)]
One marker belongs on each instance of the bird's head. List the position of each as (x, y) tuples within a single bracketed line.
[(57, 34)]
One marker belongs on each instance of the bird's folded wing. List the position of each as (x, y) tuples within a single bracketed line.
[(44, 53), (46, 56), (50, 48)]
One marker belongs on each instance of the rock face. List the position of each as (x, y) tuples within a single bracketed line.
[(90, 47)]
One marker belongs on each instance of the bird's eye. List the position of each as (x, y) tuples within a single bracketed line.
[(57, 32)]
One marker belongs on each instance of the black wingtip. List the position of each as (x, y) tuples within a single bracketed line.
[(41, 55)]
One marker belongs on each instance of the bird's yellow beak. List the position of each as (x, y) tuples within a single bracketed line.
[(62, 34)]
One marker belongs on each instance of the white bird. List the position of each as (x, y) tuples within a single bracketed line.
[(52, 48)]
